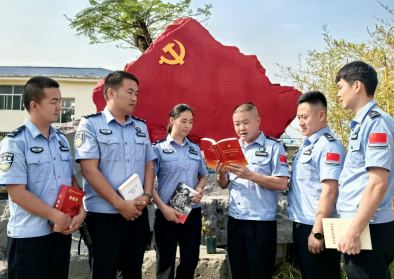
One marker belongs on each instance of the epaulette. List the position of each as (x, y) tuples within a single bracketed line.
[(159, 141), (329, 137), (271, 138), (136, 118), (373, 114), (192, 141), (92, 115), (16, 131)]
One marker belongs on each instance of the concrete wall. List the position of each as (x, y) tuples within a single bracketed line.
[(79, 89)]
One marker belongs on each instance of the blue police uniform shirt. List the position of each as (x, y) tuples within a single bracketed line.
[(320, 157), (44, 165), (122, 150), (248, 200), (177, 163), (370, 145)]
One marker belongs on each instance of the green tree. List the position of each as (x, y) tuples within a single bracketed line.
[(133, 23)]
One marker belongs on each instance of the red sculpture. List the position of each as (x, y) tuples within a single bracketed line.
[(187, 65)]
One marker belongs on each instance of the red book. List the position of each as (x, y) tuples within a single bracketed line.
[(378, 138), (226, 151), (69, 201)]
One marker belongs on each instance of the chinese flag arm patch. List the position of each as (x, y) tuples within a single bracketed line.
[(333, 157), (283, 159), (378, 138)]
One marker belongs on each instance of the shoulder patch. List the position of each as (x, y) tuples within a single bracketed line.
[(271, 138), (92, 115), (136, 118), (159, 141), (373, 114), (16, 131), (192, 141), (329, 137), (6, 161)]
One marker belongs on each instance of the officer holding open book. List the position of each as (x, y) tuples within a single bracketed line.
[(316, 167), (181, 178), (367, 180), (35, 161), (111, 146), (251, 242)]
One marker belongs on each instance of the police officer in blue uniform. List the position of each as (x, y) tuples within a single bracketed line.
[(111, 146), (251, 242), (178, 160), (316, 167), (35, 161), (366, 184)]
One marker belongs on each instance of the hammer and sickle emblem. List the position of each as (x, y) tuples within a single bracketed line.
[(178, 59)]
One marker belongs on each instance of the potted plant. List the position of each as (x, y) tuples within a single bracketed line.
[(210, 241)]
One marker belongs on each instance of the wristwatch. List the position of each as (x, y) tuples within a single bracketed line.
[(318, 235), (149, 196)]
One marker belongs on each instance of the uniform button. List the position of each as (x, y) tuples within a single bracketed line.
[(373, 218), (54, 158), (238, 204), (169, 159), (39, 161), (183, 180), (180, 147), (58, 176), (108, 141), (351, 147), (9, 232), (240, 188), (183, 169), (126, 142), (182, 157), (127, 161)]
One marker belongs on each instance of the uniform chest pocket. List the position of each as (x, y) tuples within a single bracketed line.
[(67, 163), (109, 148), (305, 168), (169, 163), (193, 162), (356, 158), (140, 148), (38, 167), (261, 165)]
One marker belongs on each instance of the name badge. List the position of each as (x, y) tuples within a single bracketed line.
[(168, 151), (354, 136), (105, 131), (141, 134), (193, 152), (260, 153), (37, 149), (307, 152), (64, 148)]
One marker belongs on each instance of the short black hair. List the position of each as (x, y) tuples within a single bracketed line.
[(115, 80), (246, 107), (34, 90), (313, 98), (361, 71)]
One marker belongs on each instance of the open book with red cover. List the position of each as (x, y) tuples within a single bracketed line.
[(226, 151), (69, 201)]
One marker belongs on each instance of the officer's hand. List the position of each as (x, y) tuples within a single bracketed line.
[(315, 246), (349, 244), (171, 214), (220, 169), (240, 171), (129, 209), (198, 196), (76, 222), (143, 199), (61, 222)]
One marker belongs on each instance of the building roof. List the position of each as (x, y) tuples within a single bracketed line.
[(64, 72)]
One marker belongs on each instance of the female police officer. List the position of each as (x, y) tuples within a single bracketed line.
[(178, 160)]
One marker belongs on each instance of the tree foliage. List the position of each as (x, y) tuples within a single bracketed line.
[(318, 70), (133, 23)]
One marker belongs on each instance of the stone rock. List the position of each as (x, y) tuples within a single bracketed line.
[(5, 216), (285, 226)]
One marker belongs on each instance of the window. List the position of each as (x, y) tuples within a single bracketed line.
[(11, 97), (67, 113)]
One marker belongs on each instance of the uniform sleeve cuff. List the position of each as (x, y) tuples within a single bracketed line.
[(14, 180)]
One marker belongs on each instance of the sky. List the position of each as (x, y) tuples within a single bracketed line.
[(36, 33)]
